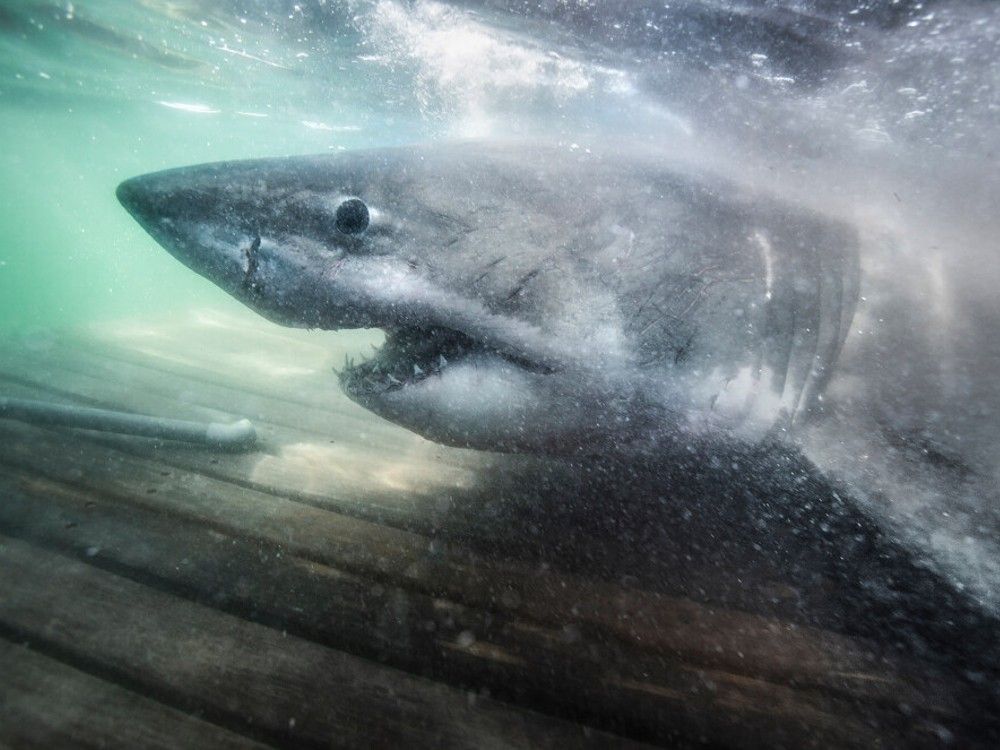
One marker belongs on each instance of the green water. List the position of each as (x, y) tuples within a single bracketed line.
[(68, 252), (94, 92), (85, 103)]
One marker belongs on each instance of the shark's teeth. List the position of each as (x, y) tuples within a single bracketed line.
[(387, 373), (412, 355)]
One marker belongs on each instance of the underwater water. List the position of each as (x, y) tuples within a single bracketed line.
[(863, 506), (86, 105), (95, 93)]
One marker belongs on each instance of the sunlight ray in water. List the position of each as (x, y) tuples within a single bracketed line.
[(350, 471), (200, 109)]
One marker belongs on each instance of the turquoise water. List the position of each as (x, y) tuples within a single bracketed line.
[(92, 93), (96, 92), (85, 104), (68, 251)]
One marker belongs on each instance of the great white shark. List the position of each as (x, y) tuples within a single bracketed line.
[(534, 298), (558, 299)]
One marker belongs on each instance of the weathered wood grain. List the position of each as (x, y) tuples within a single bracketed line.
[(349, 532), (347, 459), (456, 496), (241, 673), (495, 503), (47, 704), (678, 628), (552, 669)]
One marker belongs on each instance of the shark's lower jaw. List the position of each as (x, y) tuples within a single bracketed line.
[(453, 389), (411, 355)]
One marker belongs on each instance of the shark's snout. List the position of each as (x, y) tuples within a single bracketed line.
[(159, 197), (151, 202), (183, 212), (134, 196)]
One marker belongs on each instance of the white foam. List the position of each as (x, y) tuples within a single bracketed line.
[(476, 70)]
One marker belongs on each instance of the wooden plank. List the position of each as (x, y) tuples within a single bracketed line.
[(106, 374), (45, 703), (669, 626), (273, 359), (328, 459), (221, 348), (191, 366), (416, 489), (540, 667), (238, 672), (800, 574)]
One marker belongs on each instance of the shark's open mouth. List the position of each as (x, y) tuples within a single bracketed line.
[(411, 355)]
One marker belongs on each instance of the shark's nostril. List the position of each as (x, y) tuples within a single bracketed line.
[(250, 255)]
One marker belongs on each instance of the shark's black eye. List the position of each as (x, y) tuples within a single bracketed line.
[(352, 216)]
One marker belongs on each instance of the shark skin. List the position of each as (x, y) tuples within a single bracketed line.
[(585, 303), (535, 298)]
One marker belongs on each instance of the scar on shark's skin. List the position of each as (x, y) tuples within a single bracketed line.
[(251, 256), (522, 283)]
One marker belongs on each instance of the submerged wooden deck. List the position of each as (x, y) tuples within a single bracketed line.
[(350, 584)]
